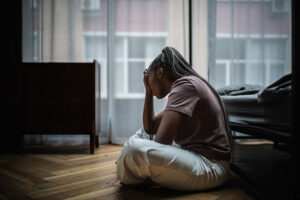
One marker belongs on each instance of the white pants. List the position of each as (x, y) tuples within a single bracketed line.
[(167, 165)]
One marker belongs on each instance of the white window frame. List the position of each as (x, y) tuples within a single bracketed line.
[(268, 63)]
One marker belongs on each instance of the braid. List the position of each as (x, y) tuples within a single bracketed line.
[(172, 61)]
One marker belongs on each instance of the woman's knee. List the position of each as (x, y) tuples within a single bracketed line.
[(134, 147)]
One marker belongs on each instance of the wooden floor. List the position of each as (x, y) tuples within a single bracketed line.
[(72, 173)]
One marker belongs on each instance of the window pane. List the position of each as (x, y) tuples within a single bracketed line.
[(95, 47), (224, 45), (119, 47), (255, 73), (254, 49), (276, 71), (237, 73), (136, 47), (275, 49), (223, 48), (271, 49), (219, 75), (135, 78), (154, 46), (119, 77), (145, 47), (239, 48)]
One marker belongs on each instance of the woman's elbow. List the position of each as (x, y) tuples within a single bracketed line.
[(163, 141)]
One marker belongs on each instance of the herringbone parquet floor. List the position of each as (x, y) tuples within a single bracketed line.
[(72, 173)]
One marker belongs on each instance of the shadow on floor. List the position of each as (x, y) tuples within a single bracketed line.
[(267, 169), (150, 190)]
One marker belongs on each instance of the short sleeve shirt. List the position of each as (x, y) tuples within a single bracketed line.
[(203, 129)]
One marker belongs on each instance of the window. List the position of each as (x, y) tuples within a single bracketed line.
[(254, 60), (137, 53), (251, 43), (134, 52)]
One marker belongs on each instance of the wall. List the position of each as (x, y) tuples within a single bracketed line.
[(10, 101)]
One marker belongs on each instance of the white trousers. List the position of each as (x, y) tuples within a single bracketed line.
[(167, 165)]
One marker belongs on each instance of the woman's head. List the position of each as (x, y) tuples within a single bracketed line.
[(171, 61), (167, 67)]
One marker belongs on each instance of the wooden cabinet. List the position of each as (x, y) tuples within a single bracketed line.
[(61, 98)]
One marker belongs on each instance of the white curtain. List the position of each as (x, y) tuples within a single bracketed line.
[(124, 36), (248, 41)]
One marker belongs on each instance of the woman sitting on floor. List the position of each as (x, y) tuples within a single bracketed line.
[(192, 145)]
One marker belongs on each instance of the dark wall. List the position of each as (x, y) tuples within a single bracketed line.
[(295, 102), (11, 30), (11, 57), (11, 43)]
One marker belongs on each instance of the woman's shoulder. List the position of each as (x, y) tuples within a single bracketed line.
[(189, 78), (188, 81), (192, 85), (187, 85)]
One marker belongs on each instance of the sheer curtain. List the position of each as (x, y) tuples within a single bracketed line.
[(141, 29), (124, 36), (249, 41)]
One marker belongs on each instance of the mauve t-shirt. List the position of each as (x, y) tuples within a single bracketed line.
[(203, 131)]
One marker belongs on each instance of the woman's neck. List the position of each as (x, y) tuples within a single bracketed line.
[(167, 85)]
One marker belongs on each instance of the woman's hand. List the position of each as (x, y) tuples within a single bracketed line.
[(146, 80), (148, 114)]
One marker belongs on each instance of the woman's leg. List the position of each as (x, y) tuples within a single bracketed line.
[(129, 165), (167, 165)]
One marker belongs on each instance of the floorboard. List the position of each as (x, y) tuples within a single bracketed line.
[(47, 172)]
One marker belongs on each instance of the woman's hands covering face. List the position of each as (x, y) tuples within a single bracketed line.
[(146, 80)]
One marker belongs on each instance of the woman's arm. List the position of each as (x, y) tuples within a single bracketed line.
[(148, 114), (150, 121), (168, 127)]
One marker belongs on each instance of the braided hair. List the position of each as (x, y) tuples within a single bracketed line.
[(173, 62)]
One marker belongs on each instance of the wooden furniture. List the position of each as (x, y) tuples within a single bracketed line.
[(61, 98)]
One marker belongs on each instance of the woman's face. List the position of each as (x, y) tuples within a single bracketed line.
[(156, 84)]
